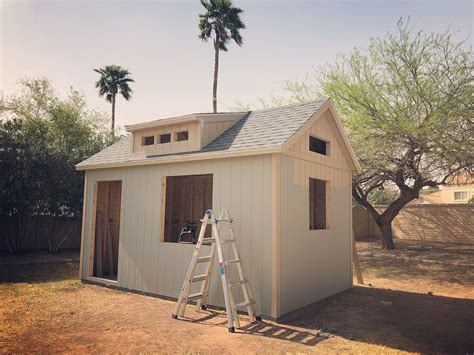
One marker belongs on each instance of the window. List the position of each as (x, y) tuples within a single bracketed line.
[(165, 138), (317, 204), (317, 145), (460, 195), (149, 140), (182, 136), (187, 198)]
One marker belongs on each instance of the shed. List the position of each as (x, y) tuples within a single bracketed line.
[(283, 173)]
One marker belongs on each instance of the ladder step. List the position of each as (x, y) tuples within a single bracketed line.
[(195, 296), (199, 277), (204, 259), (233, 261), (237, 283), (208, 240), (228, 241), (244, 304)]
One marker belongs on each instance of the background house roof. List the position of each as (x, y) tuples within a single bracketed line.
[(268, 128)]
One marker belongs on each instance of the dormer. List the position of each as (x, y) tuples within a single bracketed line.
[(188, 133)]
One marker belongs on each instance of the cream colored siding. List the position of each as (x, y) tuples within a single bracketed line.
[(324, 128), (192, 144), (211, 130), (314, 263), (242, 185)]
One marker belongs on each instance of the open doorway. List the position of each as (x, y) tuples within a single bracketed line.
[(107, 229)]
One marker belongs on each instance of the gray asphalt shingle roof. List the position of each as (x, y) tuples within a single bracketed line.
[(265, 128), (268, 128)]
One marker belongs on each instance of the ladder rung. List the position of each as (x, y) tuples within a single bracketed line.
[(194, 296), (237, 283), (199, 277), (227, 241), (234, 261), (244, 304), (203, 259), (208, 240)]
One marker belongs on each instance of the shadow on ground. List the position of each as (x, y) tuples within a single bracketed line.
[(40, 273), (265, 329), (395, 319)]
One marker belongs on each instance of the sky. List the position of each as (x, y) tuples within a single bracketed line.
[(173, 69)]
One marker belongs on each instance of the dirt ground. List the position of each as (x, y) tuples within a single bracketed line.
[(413, 305)]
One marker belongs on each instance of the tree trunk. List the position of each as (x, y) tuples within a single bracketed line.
[(386, 235), (216, 73), (113, 115)]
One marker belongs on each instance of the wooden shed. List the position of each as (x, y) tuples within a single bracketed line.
[(283, 173)]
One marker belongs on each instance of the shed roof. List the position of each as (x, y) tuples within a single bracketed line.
[(256, 132)]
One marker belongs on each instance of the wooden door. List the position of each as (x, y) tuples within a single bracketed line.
[(107, 230)]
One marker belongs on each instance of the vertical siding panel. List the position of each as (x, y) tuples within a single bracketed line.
[(235, 211), (154, 230), (258, 229), (216, 206), (123, 258), (149, 202), (225, 198), (132, 221), (265, 304)]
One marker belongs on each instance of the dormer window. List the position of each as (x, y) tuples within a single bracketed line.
[(165, 138), (148, 140), (182, 136), (319, 146)]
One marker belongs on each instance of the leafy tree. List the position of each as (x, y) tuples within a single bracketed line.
[(42, 137), (406, 103), (222, 22), (114, 80)]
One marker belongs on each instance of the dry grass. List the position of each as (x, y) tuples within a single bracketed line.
[(45, 308)]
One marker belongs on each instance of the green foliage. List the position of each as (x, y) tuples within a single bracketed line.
[(222, 20), (114, 80), (406, 103), (382, 196), (42, 137)]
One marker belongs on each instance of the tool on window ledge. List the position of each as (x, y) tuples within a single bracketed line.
[(216, 243), (188, 233)]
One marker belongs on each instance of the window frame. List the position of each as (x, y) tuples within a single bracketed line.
[(312, 205), (177, 136), (144, 142), (164, 195), (164, 134), (462, 193), (325, 141)]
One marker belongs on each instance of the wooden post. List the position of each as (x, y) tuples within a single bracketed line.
[(355, 258)]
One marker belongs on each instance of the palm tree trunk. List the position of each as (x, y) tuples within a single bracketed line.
[(216, 73), (113, 115)]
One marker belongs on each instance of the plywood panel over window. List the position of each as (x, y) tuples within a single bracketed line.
[(187, 198), (317, 204)]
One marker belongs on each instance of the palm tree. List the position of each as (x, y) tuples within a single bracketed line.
[(222, 21), (113, 80)]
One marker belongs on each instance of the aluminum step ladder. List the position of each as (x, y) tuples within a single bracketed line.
[(216, 243)]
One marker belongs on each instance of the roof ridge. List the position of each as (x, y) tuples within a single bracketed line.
[(292, 105)]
